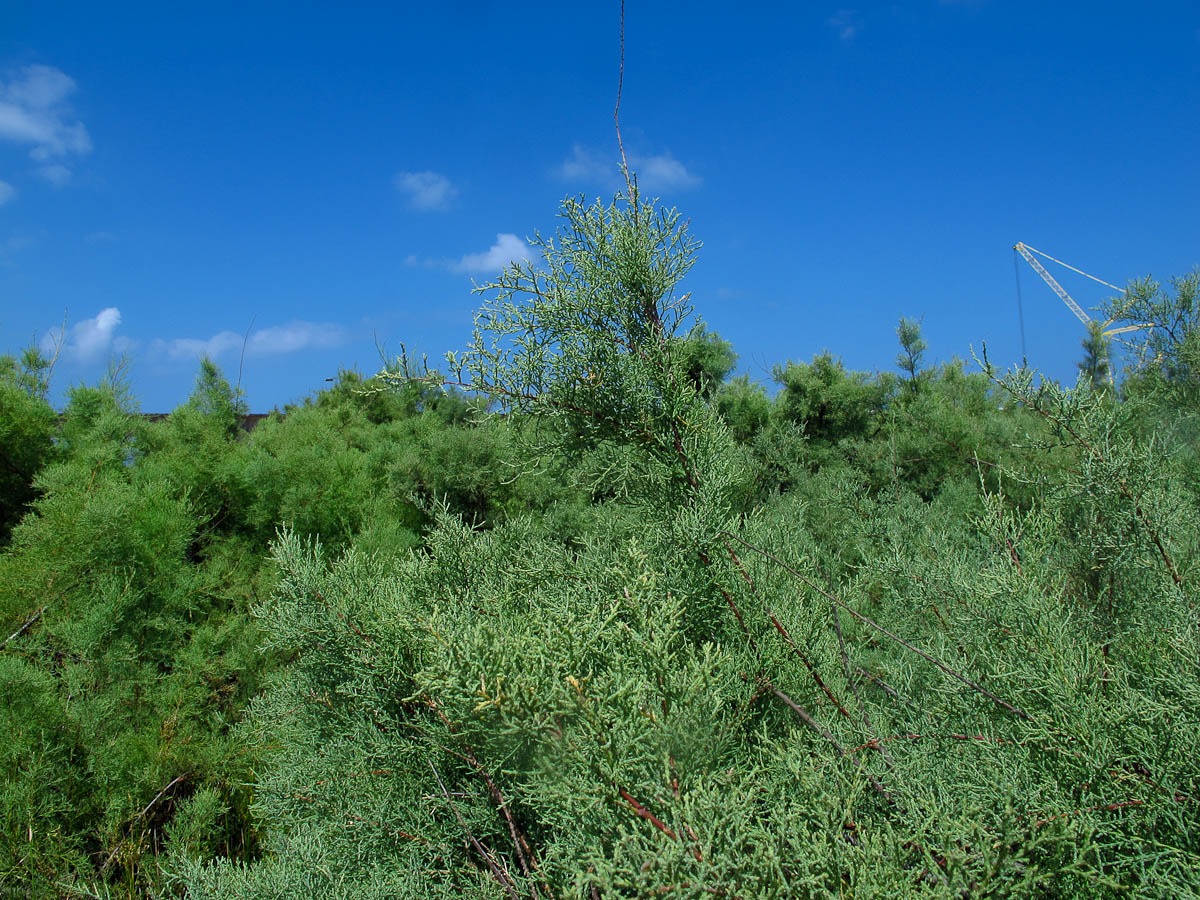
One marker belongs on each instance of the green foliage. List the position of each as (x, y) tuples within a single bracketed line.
[(137, 660), (1164, 378), (831, 403), (707, 359), (27, 424), (1168, 341), (745, 407), (581, 618), (886, 675), (1096, 365), (912, 352)]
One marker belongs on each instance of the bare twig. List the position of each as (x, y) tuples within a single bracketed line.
[(161, 794), (867, 621), (145, 812), (242, 358), (616, 114), (24, 628), (808, 665), (499, 874)]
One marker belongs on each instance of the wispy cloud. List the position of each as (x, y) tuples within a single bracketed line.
[(34, 111), (55, 173), (426, 191), (508, 248), (587, 165), (846, 22), (195, 348), (12, 246), (663, 172), (657, 172), (7, 192), (274, 341), (89, 340)]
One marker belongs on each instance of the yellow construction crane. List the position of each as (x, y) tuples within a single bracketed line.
[(1026, 251)]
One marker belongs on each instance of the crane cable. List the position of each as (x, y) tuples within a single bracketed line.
[(1020, 308)]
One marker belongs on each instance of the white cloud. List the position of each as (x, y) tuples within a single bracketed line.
[(279, 339), (89, 340), (846, 22), (658, 172), (7, 192), (426, 190), (508, 247), (34, 111)]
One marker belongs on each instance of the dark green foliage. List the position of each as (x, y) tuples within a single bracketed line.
[(745, 407), (707, 359), (27, 425), (831, 403)]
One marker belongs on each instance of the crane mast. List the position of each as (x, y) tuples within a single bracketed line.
[(1080, 313), (1066, 298)]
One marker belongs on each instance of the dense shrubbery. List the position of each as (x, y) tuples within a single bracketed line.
[(624, 629)]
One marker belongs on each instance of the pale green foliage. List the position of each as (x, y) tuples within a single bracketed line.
[(591, 341), (1169, 341)]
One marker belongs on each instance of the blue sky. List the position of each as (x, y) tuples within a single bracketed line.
[(328, 177)]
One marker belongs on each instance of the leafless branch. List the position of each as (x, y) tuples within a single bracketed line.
[(24, 628), (499, 874), (867, 621), (616, 115)]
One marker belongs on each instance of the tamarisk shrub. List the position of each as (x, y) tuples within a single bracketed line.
[(839, 693)]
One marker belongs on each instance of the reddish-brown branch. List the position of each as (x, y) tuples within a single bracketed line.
[(345, 621), (1012, 554), (959, 676), (1075, 812), (644, 813), (808, 665), (504, 879), (524, 851)]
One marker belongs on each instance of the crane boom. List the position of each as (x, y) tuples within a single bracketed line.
[(1066, 298)]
